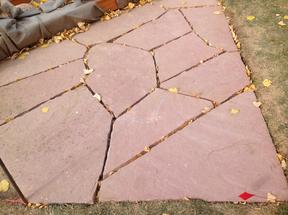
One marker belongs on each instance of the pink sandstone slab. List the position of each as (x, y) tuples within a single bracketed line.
[(150, 120), (211, 26), (57, 156), (185, 3), (216, 158), (39, 60), (27, 93), (181, 54), (107, 30), (122, 75), (216, 79), (168, 27)]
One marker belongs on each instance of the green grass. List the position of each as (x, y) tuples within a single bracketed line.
[(265, 50)]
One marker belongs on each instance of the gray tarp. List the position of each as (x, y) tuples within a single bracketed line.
[(28, 27)]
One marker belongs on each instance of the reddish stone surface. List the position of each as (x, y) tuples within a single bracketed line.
[(27, 93), (107, 30), (216, 158), (167, 27), (217, 79), (181, 54), (39, 60), (186, 3), (57, 157), (212, 27), (118, 76), (153, 118)]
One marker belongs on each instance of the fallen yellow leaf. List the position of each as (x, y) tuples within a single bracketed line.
[(88, 71), (98, 97), (45, 45), (4, 186), (45, 109), (271, 198), (234, 111), (173, 90), (23, 55), (257, 104), (217, 12), (147, 149), (250, 88), (250, 18), (267, 83), (280, 157), (281, 23), (283, 164), (131, 5), (285, 17)]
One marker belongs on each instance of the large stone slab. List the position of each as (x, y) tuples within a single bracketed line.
[(27, 93), (216, 158), (122, 75), (150, 120), (39, 60), (181, 54), (211, 26), (107, 30), (57, 156), (185, 3), (168, 27), (217, 79)]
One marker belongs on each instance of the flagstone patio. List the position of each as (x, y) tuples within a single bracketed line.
[(163, 115)]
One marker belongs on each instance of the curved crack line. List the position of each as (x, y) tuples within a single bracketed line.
[(187, 7), (171, 133), (41, 103), (44, 71), (196, 97), (194, 66), (133, 29), (197, 34), (137, 102), (106, 107)]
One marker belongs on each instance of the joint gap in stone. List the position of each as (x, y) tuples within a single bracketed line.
[(137, 102), (13, 182), (96, 193), (100, 101), (156, 70), (47, 70), (194, 66), (171, 133), (41, 103), (170, 41)]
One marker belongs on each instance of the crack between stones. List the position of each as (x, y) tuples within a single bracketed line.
[(214, 103), (135, 103), (98, 187), (47, 70), (197, 34), (13, 182), (156, 70), (187, 7), (140, 25), (194, 66), (41, 103), (171, 133), (100, 101)]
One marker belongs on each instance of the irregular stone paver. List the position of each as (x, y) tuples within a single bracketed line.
[(216, 158), (39, 60), (57, 156), (157, 115), (25, 94), (181, 54), (118, 76), (210, 26), (104, 31), (185, 3), (168, 27), (217, 79)]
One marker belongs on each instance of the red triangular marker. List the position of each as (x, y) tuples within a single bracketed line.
[(245, 196)]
